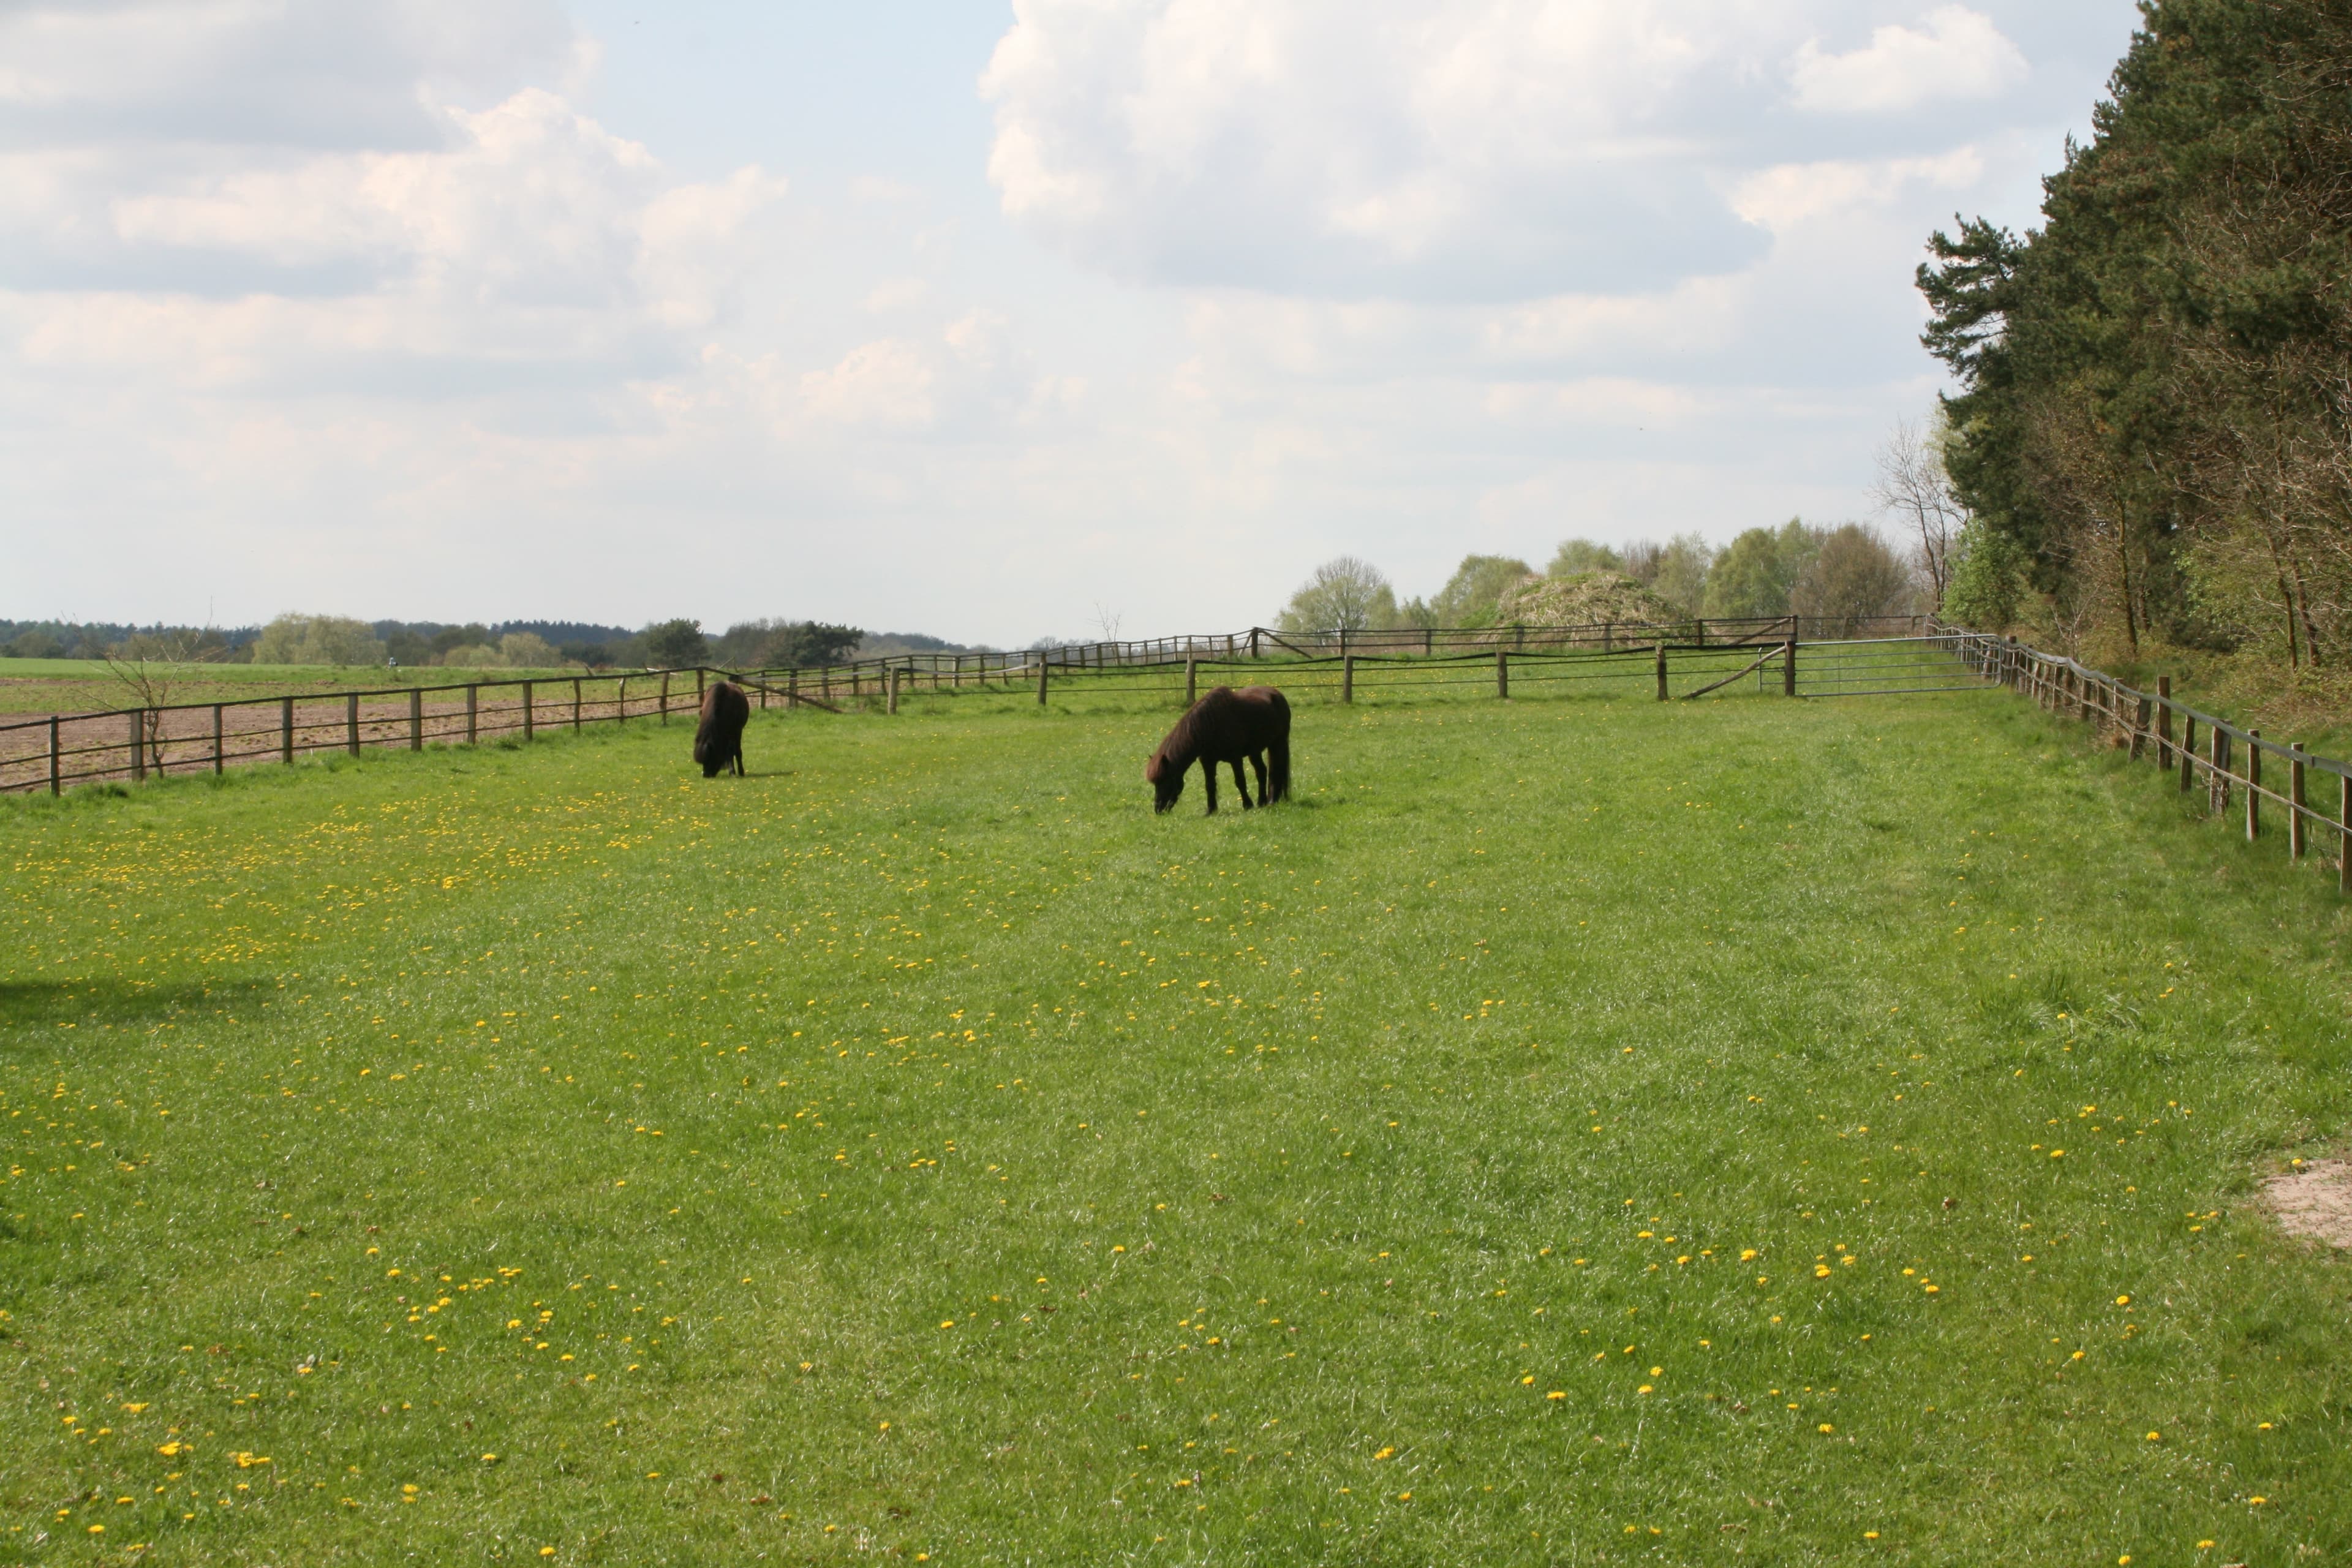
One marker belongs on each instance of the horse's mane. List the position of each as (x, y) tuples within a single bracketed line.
[(1184, 740)]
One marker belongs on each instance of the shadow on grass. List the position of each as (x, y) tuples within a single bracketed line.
[(118, 1002)]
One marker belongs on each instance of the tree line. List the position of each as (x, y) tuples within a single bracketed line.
[(343, 640), (1848, 574), (2152, 429)]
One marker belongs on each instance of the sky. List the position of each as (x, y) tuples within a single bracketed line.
[(992, 322)]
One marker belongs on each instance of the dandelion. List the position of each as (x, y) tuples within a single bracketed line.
[(1827, 1429)]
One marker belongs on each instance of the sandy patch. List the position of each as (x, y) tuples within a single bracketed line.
[(2315, 1200)]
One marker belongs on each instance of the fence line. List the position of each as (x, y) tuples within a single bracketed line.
[(55, 752), (2154, 725), (1924, 656)]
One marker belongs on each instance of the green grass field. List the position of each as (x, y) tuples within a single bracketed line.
[(1569, 1131)]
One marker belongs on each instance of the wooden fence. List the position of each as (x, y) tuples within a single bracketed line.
[(2206, 756), (53, 753), (1687, 659)]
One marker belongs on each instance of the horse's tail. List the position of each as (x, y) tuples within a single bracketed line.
[(1278, 768)]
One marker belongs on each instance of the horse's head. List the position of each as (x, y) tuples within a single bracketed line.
[(1167, 781)]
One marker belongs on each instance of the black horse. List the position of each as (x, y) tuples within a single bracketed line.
[(1227, 726), (719, 738)]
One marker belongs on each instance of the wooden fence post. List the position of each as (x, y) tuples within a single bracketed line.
[(286, 730), (2217, 778), (1253, 642), (575, 701), (415, 718), (473, 713), (893, 698), (1789, 667), (526, 711), (1662, 670), (2296, 835), (1192, 681), (2253, 784), (1698, 627), (1042, 665), (1502, 676), (2164, 721), (2188, 752), (698, 688), (139, 743), (220, 760), (1347, 678), (2139, 727), (665, 697), (2344, 834), (57, 762)]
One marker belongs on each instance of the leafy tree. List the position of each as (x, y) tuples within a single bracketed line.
[(317, 639), (810, 643), (672, 644), (1987, 585), (1755, 575), (1345, 594), (1477, 585), (1679, 576), (1854, 577), (528, 651), (1575, 555)]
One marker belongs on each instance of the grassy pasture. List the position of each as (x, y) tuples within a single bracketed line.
[(1571, 1132)]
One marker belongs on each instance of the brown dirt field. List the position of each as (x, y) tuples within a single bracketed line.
[(94, 749)]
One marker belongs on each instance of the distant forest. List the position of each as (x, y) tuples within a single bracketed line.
[(337, 640)]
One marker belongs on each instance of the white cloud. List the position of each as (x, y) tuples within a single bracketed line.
[(886, 382), (1410, 146), (1788, 196), (1956, 54)]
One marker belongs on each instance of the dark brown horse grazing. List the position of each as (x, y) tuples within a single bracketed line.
[(719, 738), (1227, 726)]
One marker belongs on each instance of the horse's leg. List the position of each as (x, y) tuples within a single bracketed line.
[(739, 761), (1257, 765), (1241, 783), (1209, 768)]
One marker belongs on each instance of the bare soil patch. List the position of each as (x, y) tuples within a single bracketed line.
[(2315, 1200)]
